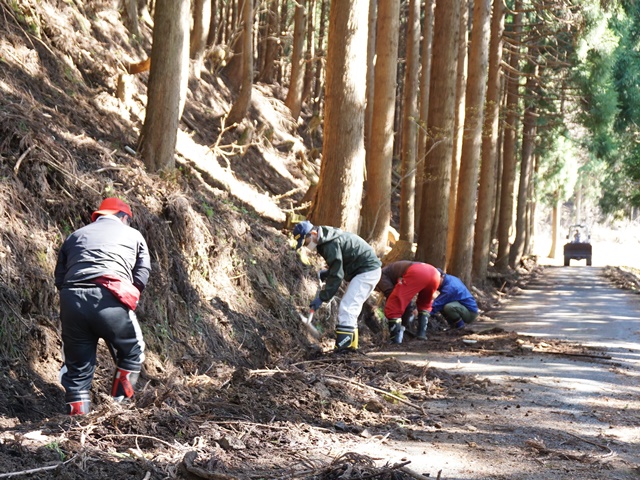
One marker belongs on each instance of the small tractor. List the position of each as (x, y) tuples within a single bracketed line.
[(579, 244)]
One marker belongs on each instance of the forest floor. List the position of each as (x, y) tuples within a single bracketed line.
[(232, 388), (481, 403)]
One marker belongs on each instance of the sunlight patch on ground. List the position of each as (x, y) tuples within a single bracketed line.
[(204, 159)]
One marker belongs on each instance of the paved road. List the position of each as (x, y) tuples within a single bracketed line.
[(577, 304), (592, 398)]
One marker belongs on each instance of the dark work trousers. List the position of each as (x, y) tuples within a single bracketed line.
[(88, 314)]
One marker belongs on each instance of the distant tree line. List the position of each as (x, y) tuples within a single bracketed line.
[(470, 111)]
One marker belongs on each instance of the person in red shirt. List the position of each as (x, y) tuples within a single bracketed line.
[(400, 283)]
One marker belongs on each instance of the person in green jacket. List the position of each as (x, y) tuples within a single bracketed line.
[(348, 258)]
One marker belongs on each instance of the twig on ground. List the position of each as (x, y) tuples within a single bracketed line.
[(604, 357), (135, 435), (413, 474), (24, 154), (609, 453), (53, 163), (375, 389), (35, 470)]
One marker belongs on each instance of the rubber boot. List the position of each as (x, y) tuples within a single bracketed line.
[(396, 330), (346, 338), (123, 383), (458, 324), (78, 403), (423, 321)]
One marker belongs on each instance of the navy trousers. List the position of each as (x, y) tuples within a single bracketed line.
[(88, 314)]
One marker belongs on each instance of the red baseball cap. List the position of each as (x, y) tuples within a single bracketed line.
[(111, 206)]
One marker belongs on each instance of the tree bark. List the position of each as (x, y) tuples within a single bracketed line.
[(529, 239), (309, 53), (371, 54), (212, 36), (555, 224), (508, 152), (432, 238), (499, 167), (528, 145), (271, 43), (241, 105), (234, 68), (376, 211), (228, 28), (318, 86), (487, 188), (462, 252), (409, 124), (284, 15), (425, 78), (458, 129), (199, 33), (131, 7), (339, 196), (167, 85), (294, 95)]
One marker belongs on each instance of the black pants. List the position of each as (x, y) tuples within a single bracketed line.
[(88, 314)]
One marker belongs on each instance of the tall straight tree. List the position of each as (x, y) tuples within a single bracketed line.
[(296, 82), (199, 33), (409, 124), (458, 123), (432, 237), (271, 43), (234, 67), (526, 163), (212, 36), (462, 252), (371, 55), (425, 78), (241, 105), (489, 154), (309, 52), (167, 85), (339, 194), (317, 84), (376, 208), (509, 145)]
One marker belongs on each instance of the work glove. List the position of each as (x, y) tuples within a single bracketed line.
[(323, 274), (315, 304)]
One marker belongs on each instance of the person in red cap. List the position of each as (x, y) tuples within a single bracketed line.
[(101, 270)]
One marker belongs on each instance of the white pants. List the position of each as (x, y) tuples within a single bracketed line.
[(359, 289)]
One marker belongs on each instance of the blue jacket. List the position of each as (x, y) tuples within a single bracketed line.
[(453, 290)]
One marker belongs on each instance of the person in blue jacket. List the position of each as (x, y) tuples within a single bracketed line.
[(455, 302)]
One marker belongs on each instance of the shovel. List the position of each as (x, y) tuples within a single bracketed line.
[(307, 323), (307, 320)]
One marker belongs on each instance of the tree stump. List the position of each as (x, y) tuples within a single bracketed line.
[(402, 250)]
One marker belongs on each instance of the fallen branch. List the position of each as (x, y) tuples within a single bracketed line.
[(35, 470), (609, 453), (604, 357), (24, 154), (375, 389), (413, 474), (56, 166), (135, 435)]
